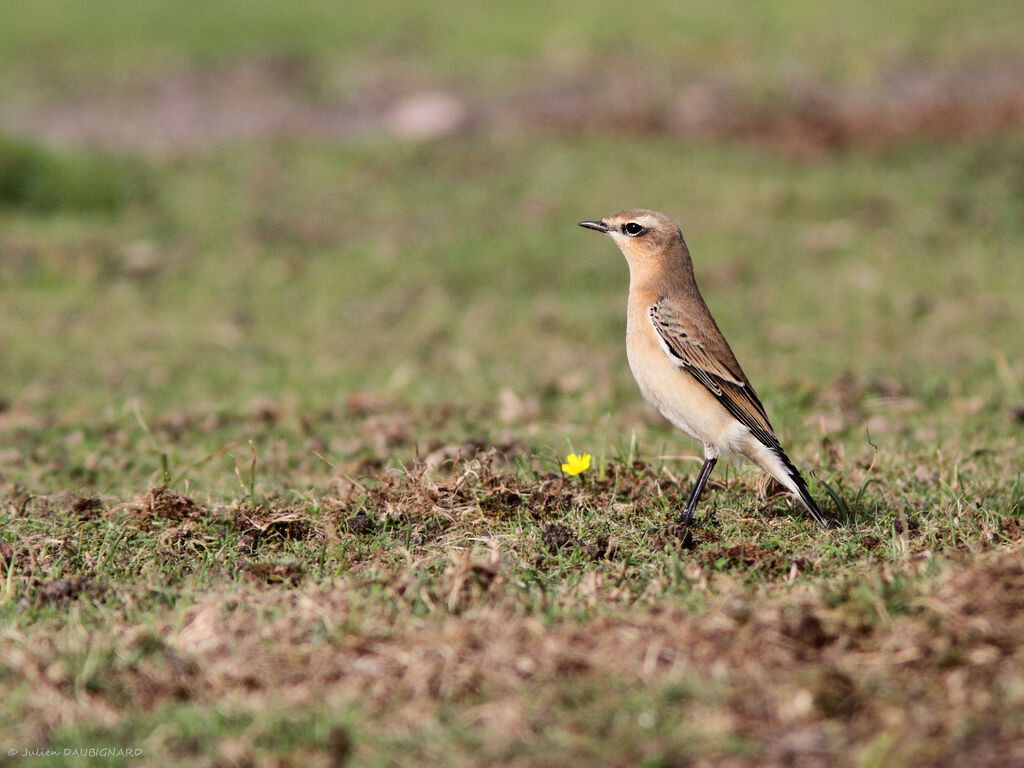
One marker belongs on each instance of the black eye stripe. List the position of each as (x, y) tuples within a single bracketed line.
[(632, 229)]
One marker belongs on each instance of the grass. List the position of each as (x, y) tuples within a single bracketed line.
[(344, 525), (43, 180), (281, 425), (64, 43)]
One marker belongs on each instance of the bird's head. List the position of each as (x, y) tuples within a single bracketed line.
[(646, 238)]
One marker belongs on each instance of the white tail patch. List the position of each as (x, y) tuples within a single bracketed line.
[(782, 470)]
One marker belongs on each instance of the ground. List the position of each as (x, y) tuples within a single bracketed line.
[(299, 328)]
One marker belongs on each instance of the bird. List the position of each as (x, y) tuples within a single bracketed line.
[(682, 362)]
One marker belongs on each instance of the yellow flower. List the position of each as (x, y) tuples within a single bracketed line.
[(575, 464)]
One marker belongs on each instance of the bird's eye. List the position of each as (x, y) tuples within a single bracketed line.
[(632, 229)]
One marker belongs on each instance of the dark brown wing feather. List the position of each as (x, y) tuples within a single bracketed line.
[(703, 353), (708, 358)]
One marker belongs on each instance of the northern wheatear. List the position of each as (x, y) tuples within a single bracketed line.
[(683, 363)]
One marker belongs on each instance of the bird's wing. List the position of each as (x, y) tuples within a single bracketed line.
[(705, 355)]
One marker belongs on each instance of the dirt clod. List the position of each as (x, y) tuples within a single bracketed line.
[(6, 554), (675, 535), (281, 572), (86, 507), (1012, 528), (904, 523), (602, 548), (808, 631), (288, 522), (557, 536), (835, 693), (749, 555), (361, 525), (161, 503), (247, 541), (501, 501), (62, 591)]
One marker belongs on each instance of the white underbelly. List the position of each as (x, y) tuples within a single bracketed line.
[(685, 402)]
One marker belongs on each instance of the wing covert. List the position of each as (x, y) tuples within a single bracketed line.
[(714, 366)]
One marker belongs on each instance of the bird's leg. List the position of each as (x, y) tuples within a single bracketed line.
[(698, 488)]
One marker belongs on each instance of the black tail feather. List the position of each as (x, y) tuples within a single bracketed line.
[(804, 495)]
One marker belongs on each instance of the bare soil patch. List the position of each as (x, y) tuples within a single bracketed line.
[(182, 111)]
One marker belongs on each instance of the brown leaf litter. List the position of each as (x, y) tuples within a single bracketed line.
[(479, 487), (800, 677)]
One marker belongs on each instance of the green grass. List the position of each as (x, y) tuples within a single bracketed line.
[(63, 43), (42, 180), (357, 367), (315, 271)]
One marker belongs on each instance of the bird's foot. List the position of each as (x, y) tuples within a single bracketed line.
[(673, 534), (685, 519)]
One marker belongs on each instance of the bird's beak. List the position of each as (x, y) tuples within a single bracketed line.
[(597, 226)]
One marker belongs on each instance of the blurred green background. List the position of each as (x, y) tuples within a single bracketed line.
[(207, 203)]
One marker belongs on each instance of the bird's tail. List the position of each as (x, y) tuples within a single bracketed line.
[(782, 469), (804, 495)]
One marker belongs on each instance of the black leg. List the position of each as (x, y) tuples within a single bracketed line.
[(698, 488)]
